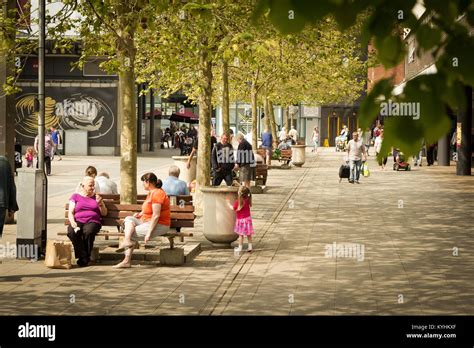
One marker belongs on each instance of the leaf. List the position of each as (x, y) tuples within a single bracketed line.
[(470, 17), (370, 106), (285, 17), (428, 37), (260, 8), (403, 133), (460, 55), (390, 50), (454, 96), (314, 10)]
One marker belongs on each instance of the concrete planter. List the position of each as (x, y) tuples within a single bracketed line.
[(219, 218), (186, 174), (298, 155)]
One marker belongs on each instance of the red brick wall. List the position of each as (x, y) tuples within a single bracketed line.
[(379, 72)]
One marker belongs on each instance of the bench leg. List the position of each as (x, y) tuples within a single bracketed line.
[(171, 242)]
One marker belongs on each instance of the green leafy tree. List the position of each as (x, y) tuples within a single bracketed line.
[(444, 35), (111, 28)]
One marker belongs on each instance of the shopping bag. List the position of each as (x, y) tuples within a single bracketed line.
[(365, 170), (58, 254)]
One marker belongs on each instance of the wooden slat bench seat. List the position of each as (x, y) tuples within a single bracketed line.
[(181, 216)]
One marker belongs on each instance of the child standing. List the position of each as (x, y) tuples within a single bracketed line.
[(243, 223), (30, 154)]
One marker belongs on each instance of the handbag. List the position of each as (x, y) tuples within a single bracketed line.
[(58, 254), (365, 170)]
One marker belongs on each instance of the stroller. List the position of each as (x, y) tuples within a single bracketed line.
[(399, 161)]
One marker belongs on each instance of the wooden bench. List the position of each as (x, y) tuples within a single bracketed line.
[(261, 173), (285, 155), (180, 200), (181, 216)]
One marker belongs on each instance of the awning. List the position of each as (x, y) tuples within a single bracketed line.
[(185, 116), (156, 113)]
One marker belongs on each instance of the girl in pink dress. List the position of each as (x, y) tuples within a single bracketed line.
[(243, 223), (30, 154)]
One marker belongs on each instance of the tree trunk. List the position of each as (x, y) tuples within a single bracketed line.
[(292, 115), (286, 120), (205, 109), (225, 97), (266, 109), (7, 102), (253, 95), (128, 136), (271, 116), (203, 175), (464, 131)]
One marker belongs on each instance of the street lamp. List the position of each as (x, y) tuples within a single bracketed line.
[(41, 119)]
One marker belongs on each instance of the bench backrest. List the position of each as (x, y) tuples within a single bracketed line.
[(181, 216), (283, 153), (188, 199)]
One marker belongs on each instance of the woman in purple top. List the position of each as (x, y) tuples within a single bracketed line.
[(85, 211)]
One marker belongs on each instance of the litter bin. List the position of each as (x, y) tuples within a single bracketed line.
[(30, 200)]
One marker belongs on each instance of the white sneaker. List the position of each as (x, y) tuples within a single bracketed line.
[(249, 248), (238, 249)]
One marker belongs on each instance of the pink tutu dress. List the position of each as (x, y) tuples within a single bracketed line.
[(243, 222)]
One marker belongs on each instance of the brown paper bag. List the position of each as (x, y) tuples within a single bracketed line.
[(58, 254)]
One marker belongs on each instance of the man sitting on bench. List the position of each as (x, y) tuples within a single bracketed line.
[(154, 219)]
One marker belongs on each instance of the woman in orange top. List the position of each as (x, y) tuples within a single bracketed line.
[(154, 219)]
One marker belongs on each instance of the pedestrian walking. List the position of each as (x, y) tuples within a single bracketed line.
[(243, 222), (430, 154), (315, 139), (57, 140), (356, 153), (48, 148), (282, 135), (245, 161), (267, 145), (29, 156), (367, 137), (418, 158), (8, 204), (382, 160)]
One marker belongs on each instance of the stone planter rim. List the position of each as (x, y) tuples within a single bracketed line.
[(181, 157), (299, 145), (210, 189)]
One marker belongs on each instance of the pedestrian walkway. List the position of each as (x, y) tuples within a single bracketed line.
[(411, 252)]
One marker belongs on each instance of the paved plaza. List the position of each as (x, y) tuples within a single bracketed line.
[(411, 233)]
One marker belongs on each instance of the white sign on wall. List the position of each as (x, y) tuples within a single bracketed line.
[(311, 111)]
